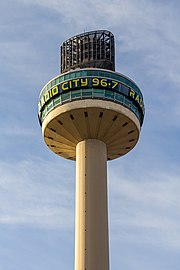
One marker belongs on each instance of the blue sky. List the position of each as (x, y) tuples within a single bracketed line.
[(37, 188)]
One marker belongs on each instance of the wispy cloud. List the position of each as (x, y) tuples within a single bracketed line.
[(37, 192), (20, 58), (11, 131), (41, 193), (146, 207)]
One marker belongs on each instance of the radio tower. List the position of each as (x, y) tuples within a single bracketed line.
[(91, 114)]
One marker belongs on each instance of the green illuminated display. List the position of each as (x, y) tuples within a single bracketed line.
[(90, 82), (82, 84)]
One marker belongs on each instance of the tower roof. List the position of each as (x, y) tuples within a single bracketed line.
[(91, 49)]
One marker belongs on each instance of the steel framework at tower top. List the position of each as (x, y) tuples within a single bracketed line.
[(91, 49)]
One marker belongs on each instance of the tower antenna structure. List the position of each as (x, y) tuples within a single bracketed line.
[(90, 113)]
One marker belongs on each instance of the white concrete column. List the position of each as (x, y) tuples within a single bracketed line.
[(91, 228)]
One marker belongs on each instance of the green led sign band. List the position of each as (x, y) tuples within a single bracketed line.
[(90, 82)]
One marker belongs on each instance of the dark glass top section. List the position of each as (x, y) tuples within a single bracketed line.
[(93, 49)]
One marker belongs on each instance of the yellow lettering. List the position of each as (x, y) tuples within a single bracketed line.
[(42, 100), (95, 81), (46, 96), (70, 84), (84, 82), (54, 90), (65, 86), (137, 99), (76, 82), (50, 94), (114, 84), (132, 93), (104, 82)]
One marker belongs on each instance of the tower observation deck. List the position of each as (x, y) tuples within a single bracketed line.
[(90, 113)]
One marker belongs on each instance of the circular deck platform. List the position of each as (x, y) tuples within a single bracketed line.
[(67, 125)]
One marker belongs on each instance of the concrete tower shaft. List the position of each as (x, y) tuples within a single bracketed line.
[(91, 237)]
